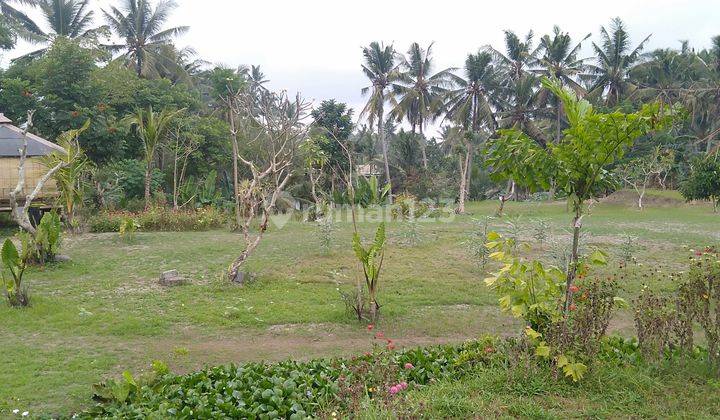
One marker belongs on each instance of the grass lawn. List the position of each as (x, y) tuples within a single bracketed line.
[(104, 311)]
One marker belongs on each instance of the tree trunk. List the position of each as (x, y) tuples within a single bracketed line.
[(148, 177), (422, 148), (464, 163), (236, 152), (383, 142), (574, 257), (175, 180)]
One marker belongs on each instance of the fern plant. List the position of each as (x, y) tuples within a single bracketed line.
[(371, 259)]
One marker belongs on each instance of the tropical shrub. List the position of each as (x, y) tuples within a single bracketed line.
[(371, 259), (47, 238), (407, 206), (161, 219), (325, 230), (703, 183), (531, 291), (128, 227), (15, 263)]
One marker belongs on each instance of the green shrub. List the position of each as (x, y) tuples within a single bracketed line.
[(161, 219)]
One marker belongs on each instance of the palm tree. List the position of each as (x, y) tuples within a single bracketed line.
[(66, 18), (380, 67), (559, 61), (519, 56), (666, 75), (141, 28), (152, 128), (517, 96), (615, 60), (521, 109), (419, 91), (471, 103), (15, 22)]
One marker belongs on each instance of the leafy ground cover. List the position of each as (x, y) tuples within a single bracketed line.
[(103, 312)]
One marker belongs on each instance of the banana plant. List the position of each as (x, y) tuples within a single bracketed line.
[(371, 259), (15, 264)]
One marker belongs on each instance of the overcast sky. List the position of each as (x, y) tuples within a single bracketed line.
[(315, 46)]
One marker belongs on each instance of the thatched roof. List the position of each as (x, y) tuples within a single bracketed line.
[(11, 140)]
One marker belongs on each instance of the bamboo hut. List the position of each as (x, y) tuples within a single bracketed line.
[(11, 141)]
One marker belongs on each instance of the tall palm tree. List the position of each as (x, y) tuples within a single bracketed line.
[(615, 59), (519, 56), (471, 106), (15, 22), (67, 18), (380, 67), (141, 27), (471, 103), (152, 128), (703, 99), (419, 91), (559, 60), (666, 75), (521, 109)]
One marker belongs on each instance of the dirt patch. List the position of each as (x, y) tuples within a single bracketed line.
[(630, 199)]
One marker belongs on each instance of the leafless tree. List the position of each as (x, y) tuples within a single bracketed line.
[(277, 122), (20, 213)]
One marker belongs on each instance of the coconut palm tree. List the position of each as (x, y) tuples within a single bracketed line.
[(559, 61), (16, 23), (380, 67), (419, 92), (470, 104), (520, 108), (519, 56), (141, 28), (615, 59), (67, 18)]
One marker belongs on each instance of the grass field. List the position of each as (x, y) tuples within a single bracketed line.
[(104, 311)]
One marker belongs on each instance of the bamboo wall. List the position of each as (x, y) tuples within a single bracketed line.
[(34, 170)]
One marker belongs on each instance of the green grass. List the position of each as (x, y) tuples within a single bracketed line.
[(608, 391), (104, 312)]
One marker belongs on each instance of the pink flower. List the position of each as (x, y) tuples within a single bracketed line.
[(379, 335), (409, 365), (394, 390), (403, 385), (370, 327), (391, 346)]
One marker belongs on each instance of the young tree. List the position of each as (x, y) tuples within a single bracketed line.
[(580, 163), (75, 166), (152, 128), (280, 128)]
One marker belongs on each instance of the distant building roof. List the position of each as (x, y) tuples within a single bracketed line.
[(11, 140)]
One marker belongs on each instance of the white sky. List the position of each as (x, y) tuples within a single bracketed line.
[(315, 46)]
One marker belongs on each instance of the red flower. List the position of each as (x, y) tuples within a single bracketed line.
[(574, 289), (379, 335), (370, 327)]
